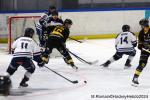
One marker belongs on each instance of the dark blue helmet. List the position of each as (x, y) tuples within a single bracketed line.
[(125, 28), (144, 22), (68, 21), (29, 32), (52, 7)]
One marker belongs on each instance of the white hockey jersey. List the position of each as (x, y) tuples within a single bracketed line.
[(25, 47), (45, 17), (124, 42)]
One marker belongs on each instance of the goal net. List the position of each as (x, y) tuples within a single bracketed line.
[(17, 25)]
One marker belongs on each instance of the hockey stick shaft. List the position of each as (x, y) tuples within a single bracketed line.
[(146, 50), (79, 58), (34, 22), (74, 82), (75, 40)]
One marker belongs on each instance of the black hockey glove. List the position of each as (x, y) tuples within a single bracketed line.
[(140, 46), (134, 44), (12, 51), (41, 64)]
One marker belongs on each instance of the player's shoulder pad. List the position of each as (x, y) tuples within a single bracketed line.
[(34, 41), (18, 38), (132, 33)]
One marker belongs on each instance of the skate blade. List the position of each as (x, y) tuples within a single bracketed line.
[(76, 69), (127, 67), (22, 87), (134, 85)]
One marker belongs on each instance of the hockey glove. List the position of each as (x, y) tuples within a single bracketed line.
[(41, 64), (12, 51), (134, 44), (45, 58), (140, 46)]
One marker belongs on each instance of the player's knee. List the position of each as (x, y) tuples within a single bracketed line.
[(142, 63), (31, 70), (140, 68), (116, 57)]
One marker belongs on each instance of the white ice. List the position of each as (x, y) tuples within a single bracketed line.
[(115, 80)]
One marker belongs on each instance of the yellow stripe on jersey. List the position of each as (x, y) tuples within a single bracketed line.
[(57, 33)]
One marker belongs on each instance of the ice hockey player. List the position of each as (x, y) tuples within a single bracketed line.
[(57, 39), (43, 21), (125, 43), (49, 25), (143, 45), (24, 48)]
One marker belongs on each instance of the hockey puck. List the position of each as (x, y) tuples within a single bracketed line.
[(85, 82)]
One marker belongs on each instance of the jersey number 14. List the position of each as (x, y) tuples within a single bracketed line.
[(124, 39)]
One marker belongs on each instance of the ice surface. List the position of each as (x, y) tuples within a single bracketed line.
[(46, 85)]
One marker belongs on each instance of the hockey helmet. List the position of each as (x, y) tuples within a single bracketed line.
[(52, 7), (5, 85), (144, 22), (125, 28), (68, 21), (29, 32), (55, 13)]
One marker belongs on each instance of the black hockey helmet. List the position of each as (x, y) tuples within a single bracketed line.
[(68, 21), (5, 85), (125, 28), (52, 7), (144, 22), (29, 32), (55, 13)]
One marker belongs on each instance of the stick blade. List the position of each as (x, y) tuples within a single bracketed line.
[(94, 62), (75, 82)]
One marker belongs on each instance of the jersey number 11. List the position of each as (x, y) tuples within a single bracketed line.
[(24, 45)]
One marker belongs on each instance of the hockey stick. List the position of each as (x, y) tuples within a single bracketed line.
[(34, 22), (82, 60), (74, 82), (146, 50), (75, 40)]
